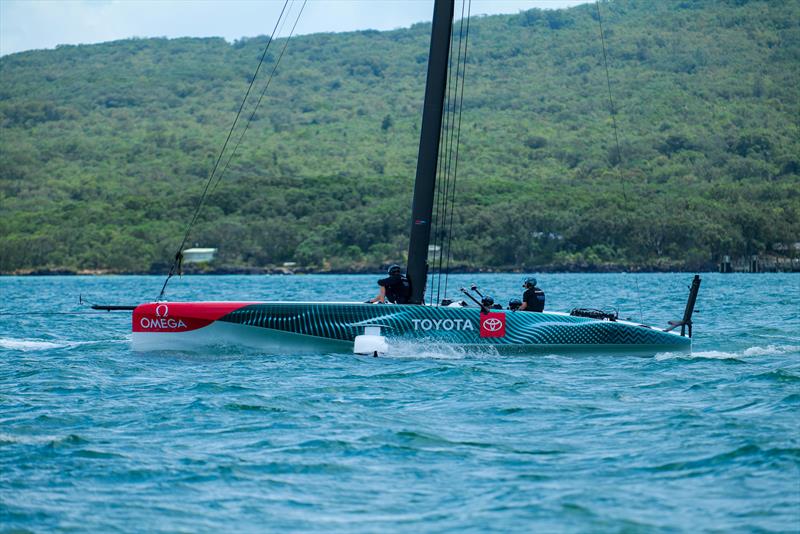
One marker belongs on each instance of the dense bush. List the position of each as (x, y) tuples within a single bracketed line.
[(105, 148)]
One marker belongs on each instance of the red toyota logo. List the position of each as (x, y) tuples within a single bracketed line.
[(492, 324), (162, 310)]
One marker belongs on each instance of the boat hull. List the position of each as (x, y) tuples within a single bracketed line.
[(330, 327)]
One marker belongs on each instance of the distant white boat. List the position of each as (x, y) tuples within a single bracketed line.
[(198, 255)]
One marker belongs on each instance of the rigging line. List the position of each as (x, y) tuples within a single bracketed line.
[(441, 189), (260, 97), (436, 219), (445, 156), (456, 132), (458, 144), (178, 255), (448, 154), (616, 139), (275, 33), (436, 223), (448, 207), (638, 296), (449, 148), (611, 101)]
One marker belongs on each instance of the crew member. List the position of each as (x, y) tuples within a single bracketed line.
[(532, 298), (396, 288), (487, 302)]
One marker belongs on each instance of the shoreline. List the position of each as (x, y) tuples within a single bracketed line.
[(254, 271)]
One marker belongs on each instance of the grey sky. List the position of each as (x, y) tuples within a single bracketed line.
[(34, 24)]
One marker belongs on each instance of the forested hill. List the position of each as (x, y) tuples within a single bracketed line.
[(106, 148)]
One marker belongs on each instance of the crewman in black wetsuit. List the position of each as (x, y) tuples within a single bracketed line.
[(396, 288), (532, 298), (488, 303)]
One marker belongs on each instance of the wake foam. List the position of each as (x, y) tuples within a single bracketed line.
[(29, 344), (769, 350), (435, 351)]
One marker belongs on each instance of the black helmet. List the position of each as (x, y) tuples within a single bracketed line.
[(394, 269), (514, 304), (487, 301), (529, 282)]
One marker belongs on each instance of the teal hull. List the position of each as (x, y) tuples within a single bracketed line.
[(336, 325)]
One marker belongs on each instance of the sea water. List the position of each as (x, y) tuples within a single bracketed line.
[(96, 437)]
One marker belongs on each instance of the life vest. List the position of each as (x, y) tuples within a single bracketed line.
[(539, 301), (398, 290), (535, 299)]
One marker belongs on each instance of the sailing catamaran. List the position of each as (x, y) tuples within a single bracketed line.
[(374, 328)]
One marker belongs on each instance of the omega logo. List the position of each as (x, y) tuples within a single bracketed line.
[(161, 321)]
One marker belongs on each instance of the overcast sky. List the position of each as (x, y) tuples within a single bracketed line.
[(34, 24)]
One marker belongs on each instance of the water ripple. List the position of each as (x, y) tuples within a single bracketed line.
[(95, 437)]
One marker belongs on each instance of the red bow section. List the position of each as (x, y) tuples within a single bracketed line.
[(180, 316)]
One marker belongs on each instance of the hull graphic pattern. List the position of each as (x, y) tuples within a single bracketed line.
[(342, 322)]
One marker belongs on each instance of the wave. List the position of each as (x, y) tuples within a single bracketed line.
[(779, 375), (769, 350), (751, 452)]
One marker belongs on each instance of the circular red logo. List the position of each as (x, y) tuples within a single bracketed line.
[(492, 324)]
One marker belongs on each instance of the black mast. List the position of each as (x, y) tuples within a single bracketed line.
[(424, 186)]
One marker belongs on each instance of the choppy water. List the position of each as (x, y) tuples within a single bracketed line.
[(95, 437)]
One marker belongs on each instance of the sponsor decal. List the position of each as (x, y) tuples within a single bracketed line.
[(161, 321), (180, 316), (493, 325), (442, 324)]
